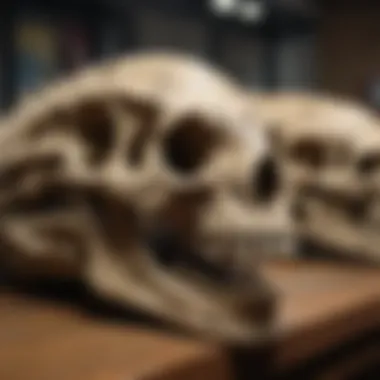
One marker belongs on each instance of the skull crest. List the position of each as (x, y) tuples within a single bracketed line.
[(130, 175), (330, 149)]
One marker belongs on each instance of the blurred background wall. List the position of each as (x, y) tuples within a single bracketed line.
[(350, 48), (266, 44)]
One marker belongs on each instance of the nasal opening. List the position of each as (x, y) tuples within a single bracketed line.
[(266, 181)]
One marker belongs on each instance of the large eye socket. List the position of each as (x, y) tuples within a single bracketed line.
[(189, 144), (309, 153), (368, 164)]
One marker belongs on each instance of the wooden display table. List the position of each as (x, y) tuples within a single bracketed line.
[(323, 308)]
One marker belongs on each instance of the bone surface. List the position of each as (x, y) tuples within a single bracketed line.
[(330, 149), (128, 175)]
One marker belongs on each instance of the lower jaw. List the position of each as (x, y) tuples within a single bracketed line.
[(333, 236)]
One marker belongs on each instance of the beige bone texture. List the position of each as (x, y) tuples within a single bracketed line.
[(330, 149), (141, 176)]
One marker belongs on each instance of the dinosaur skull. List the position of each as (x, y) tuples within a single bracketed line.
[(131, 175), (331, 155)]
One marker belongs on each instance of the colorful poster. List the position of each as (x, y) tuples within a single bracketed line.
[(36, 51)]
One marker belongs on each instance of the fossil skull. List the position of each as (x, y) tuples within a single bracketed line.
[(331, 155), (130, 175)]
